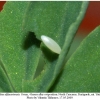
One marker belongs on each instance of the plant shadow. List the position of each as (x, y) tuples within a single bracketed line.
[(49, 55), (31, 40)]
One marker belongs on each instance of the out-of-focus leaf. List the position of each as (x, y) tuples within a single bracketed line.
[(82, 71)]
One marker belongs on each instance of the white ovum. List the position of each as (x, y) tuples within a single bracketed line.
[(51, 44)]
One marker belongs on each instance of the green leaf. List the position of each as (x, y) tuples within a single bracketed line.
[(16, 46), (54, 19), (21, 26), (4, 80), (81, 73)]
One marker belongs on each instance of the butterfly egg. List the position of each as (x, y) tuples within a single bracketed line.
[(51, 44)]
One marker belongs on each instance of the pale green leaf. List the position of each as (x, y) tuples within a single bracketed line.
[(81, 73)]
